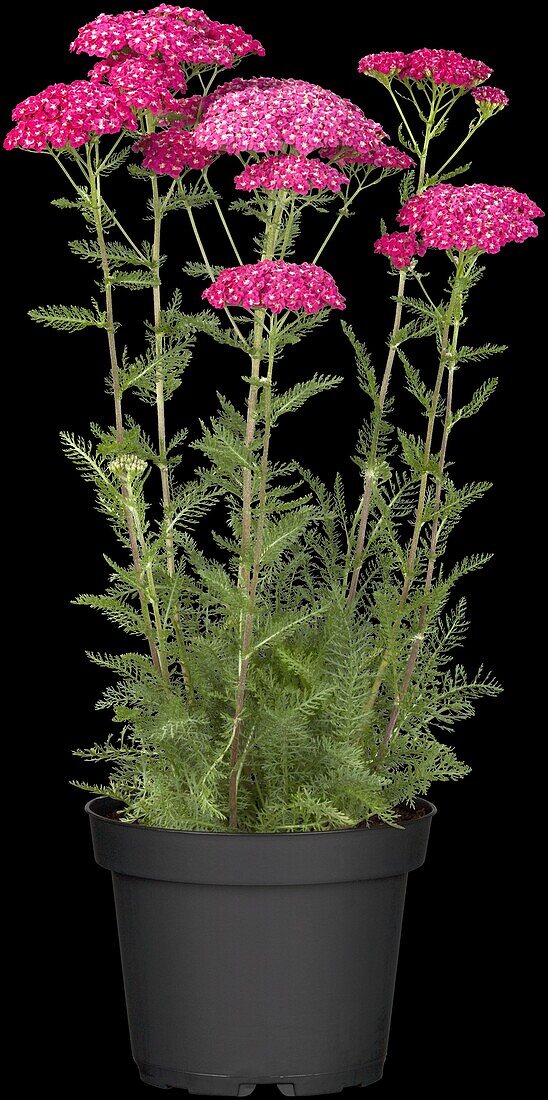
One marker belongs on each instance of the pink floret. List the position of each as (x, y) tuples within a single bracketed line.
[(476, 215), (69, 114), (292, 173), (276, 286), (401, 248)]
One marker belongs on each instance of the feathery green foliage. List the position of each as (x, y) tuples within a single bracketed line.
[(292, 663)]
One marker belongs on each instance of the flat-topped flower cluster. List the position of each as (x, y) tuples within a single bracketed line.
[(178, 36), (437, 66), (276, 286)]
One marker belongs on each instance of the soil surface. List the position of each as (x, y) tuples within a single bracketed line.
[(404, 814)]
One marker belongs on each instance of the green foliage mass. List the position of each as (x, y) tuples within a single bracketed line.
[(342, 630)]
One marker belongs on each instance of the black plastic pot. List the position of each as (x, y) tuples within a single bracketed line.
[(258, 957)]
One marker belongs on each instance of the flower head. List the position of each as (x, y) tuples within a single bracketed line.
[(475, 215), (268, 115), (292, 173), (169, 152), (401, 248), (437, 66), (385, 63), (275, 285), (69, 114), (166, 33), (490, 99), (147, 84), (379, 155)]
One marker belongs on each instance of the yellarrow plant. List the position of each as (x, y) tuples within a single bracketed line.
[(292, 675)]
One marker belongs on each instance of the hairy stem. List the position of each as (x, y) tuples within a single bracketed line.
[(95, 188), (161, 417), (472, 130), (370, 474), (369, 478), (236, 328), (224, 223), (248, 576), (160, 394), (434, 532), (247, 633)]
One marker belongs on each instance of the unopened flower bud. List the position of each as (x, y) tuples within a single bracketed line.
[(127, 467)]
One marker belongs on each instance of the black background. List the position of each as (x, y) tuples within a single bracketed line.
[(461, 1014)]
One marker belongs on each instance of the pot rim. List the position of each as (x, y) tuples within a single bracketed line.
[(93, 811)]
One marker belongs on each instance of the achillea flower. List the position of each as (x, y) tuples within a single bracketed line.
[(268, 115), (292, 173), (169, 152), (276, 286), (490, 97), (475, 215), (68, 114), (387, 64), (438, 66), (167, 33), (380, 155), (147, 84), (401, 248)]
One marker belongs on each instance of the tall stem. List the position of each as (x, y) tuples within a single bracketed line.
[(209, 268), (161, 417), (434, 532), (419, 514), (370, 472), (95, 187), (253, 580), (472, 130), (426, 455), (160, 393), (248, 577), (369, 478)]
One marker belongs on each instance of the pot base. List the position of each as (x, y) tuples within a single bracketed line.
[(317, 1084)]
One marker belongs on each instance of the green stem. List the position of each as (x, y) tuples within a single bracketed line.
[(158, 207), (151, 586), (450, 362), (342, 214), (236, 328), (223, 221), (247, 632), (248, 577), (288, 228), (370, 472), (403, 117), (95, 191), (112, 150), (472, 130), (419, 514), (427, 137), (159, 348)]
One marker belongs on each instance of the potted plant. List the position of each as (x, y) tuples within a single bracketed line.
[(291, 667)]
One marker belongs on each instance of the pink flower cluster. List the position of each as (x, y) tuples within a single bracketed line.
[(275, 285), (147, 84), (439, 66), (168, 33), (265, 114), (381, 156), (490, 97), (385, 63), (401, 248), (169, 152), (68, 114), (292, 173), (475, 215)]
